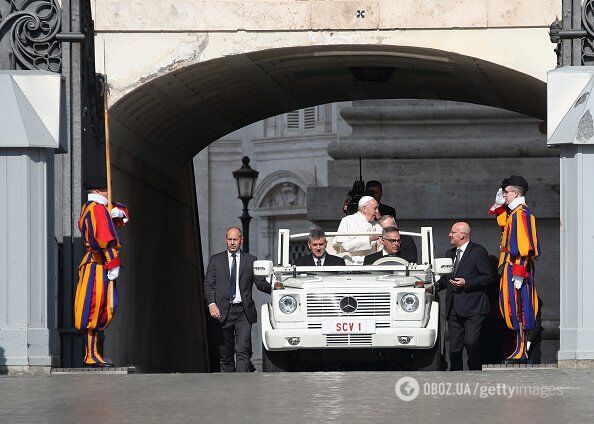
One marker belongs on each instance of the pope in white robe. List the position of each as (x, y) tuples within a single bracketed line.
[(362, 221)]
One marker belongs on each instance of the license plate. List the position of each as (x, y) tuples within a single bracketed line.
[(348, 327)]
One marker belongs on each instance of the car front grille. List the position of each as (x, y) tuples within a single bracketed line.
[(368, 304), (348, 340)]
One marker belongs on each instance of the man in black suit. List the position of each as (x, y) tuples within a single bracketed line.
[(408, 248), (228, 293), (317, 246), (391, 242), (374, 188), (467, 302)]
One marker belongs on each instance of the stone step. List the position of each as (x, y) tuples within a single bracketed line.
[(518, 366), (102, 371)]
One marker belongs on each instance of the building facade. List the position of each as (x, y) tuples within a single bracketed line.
[(439, 162)]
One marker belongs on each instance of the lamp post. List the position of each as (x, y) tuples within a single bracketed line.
[(246, 181)]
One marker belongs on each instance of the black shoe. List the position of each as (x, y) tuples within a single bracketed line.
[(98, 365), (108, 362), (512, 361)]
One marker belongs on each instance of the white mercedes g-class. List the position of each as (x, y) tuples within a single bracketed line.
[(323, 316)]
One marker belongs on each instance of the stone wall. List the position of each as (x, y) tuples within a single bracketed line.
[(442, 162), (159, 325)]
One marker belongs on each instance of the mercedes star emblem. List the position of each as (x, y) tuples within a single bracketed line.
[(348, 304)]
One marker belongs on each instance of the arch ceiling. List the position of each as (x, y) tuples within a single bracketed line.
[(184, 111)]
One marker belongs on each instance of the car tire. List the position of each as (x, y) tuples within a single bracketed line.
[(276, 361), (431, 359)]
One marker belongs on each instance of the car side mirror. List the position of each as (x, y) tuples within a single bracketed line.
[(263, 268), (443, 266)]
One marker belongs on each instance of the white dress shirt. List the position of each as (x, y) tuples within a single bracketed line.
[(237, 298), (322, 259), (462, 249)]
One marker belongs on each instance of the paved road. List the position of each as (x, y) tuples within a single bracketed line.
[(548, 396)]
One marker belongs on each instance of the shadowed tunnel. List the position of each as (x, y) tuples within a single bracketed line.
[(160, 126)]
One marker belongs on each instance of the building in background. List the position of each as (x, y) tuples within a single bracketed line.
[(439, 162)]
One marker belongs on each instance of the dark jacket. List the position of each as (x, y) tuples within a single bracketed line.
[(370, 259), (330, 260), (217, 279), (408, 248), (386, 210), (476, 269)]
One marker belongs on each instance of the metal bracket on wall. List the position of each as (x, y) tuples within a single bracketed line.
[(574, 35), (70, 37)]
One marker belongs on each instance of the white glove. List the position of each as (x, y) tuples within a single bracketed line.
[(113, 273), (117, 213), (500, 198), (518, 281)]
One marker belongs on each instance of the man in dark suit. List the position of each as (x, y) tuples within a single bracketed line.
[(318, 257), (391, 242), (228, 293), (408, 248), (467, 302), (374, 188)]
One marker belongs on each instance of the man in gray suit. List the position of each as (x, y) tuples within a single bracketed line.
[(228, 293)]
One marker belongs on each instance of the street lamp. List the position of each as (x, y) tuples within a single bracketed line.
[(246, 181)]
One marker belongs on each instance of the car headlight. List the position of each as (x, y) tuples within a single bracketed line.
[(409, 302), (287, 304)]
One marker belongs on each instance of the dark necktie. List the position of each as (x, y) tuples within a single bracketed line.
[(318, 262), (457, 261), (233, 279)]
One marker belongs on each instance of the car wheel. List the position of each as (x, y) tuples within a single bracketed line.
[(276, 361), (431, 359)]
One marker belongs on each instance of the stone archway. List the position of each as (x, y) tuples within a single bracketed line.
[(157, 128), (279, 202)]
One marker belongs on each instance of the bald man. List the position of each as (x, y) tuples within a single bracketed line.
[(467, 303)]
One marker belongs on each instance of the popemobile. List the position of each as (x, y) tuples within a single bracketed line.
[(385, 314)]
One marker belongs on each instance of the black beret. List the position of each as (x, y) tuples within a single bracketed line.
[(94, 183), (515, 180)]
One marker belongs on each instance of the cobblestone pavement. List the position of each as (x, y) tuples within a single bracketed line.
[(518, 396)]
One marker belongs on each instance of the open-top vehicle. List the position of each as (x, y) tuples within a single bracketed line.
[(323, 316)]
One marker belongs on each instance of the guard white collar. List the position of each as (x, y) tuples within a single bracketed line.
[(94, 197), (517, 202)]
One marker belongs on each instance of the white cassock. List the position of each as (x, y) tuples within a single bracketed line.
[(357, 246)]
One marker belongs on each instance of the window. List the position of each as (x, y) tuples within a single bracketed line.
[(302, 120)]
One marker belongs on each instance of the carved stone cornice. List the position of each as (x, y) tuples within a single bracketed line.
[(28, 30)]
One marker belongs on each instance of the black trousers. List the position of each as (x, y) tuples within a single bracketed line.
[(465, 331), (236, 343)]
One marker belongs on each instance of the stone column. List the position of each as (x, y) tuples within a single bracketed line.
[(570, 127), (27, 258), (30, 129), (577, 256), (442, 162)]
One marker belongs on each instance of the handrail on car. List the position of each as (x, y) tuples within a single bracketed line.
[(335, 233)]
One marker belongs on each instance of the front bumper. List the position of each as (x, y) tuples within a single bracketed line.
[(276, 339)]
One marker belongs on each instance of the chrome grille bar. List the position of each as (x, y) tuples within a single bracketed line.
[(368, 304)]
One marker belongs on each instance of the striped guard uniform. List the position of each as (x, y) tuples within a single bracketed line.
[(96, 297), (519, 247)]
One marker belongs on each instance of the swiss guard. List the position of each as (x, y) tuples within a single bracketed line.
[(518, 300), (96, 297)]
